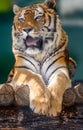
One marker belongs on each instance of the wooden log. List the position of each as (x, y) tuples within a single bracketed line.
[(6, 95), (73, 95), (22, 95), (22, 118)]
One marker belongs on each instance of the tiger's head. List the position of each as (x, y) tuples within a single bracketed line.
[(36, 28)]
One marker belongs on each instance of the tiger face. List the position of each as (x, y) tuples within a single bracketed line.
[(35, 29)]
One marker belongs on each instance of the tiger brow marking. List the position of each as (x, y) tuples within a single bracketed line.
[(22, 15), (38, 11), (28, 61), (28, 11), (53, 63)]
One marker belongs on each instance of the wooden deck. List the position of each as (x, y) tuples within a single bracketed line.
[(21, 118)]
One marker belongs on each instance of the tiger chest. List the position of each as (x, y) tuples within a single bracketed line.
[(47, 68)]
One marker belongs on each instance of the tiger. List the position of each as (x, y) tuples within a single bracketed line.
[(43, 68)]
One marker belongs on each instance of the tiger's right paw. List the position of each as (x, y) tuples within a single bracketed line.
[(40, 104)]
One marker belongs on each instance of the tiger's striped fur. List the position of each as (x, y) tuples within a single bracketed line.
[(42, 63)]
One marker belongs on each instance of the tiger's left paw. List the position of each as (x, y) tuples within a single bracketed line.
[(55, 108)]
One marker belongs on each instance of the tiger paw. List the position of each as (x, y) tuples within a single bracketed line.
[(41, 104), (6, 95), (55, 108)]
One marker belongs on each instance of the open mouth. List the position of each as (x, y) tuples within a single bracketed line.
[(33, 42)]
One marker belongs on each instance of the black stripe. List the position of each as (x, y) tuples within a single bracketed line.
[(72, 63), (54, 28), (46, 28), (49, 20), (28, 61), (53, 63), (56, 70), (55, 23), (21, 67), (49, 30), (49, 38)]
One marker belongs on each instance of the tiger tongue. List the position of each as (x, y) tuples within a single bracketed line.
[(31, 41)]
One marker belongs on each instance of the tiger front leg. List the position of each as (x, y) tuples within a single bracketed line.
[(57, 87), (39, 95)]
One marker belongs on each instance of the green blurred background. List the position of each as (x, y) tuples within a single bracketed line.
[(74, 31)]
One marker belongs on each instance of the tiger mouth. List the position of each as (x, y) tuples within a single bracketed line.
[(33, 42)]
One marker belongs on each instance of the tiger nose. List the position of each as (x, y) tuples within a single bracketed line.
[(27, 30)]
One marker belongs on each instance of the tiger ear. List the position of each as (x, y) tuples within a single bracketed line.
[(50, 3), (16, 9)]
